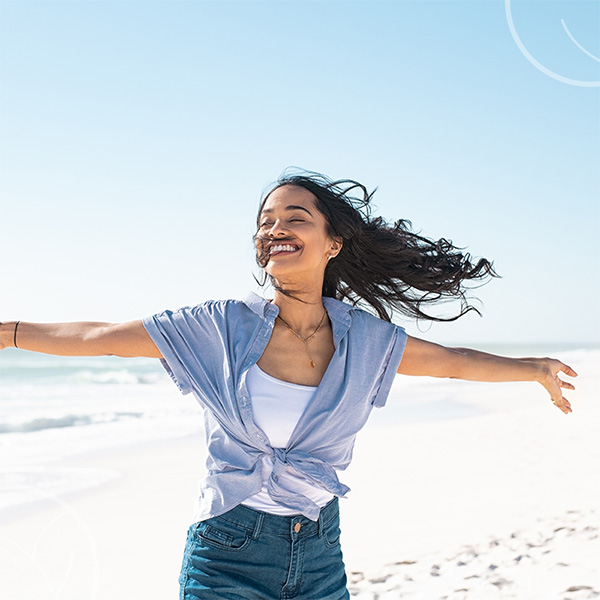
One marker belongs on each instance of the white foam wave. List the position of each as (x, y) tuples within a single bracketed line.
[(122, 376), (40, 423)]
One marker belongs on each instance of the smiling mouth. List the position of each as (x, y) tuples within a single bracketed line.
[(280, 248)]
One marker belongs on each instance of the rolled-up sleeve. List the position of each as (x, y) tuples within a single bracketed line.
[(389, 365), (167, 330)]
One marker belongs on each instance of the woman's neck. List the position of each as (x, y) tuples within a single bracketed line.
[(303, 313)]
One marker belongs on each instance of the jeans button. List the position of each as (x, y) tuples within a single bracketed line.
[(297, 527)]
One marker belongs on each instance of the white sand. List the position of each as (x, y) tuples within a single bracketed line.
[(504, 505), (121, 541)]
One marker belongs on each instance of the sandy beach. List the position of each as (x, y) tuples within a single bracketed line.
[(495, 506), (501, 504)]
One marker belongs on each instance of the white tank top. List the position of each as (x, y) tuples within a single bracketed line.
[(277, 407)]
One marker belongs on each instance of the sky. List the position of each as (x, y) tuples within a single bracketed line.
[(137, 137)]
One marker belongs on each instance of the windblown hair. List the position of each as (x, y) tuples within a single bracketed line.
[(387, 267)]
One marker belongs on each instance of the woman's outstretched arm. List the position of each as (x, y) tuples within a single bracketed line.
[(80, 338), (426, 358)]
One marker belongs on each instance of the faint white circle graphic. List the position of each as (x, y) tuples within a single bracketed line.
[(25, 567), (538, 65)]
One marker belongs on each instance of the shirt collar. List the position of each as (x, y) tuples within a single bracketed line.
[(338, 311), (259, 305)]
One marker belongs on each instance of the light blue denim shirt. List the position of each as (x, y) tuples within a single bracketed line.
[(208, 350)]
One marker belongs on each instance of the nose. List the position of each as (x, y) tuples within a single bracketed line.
[(277, 229)]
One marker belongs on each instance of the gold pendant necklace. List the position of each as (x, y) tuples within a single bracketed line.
[(305, 340)]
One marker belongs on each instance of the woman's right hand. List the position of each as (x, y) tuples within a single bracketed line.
[(128, 339)]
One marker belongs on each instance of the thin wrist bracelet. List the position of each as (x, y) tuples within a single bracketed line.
[(15, 335)]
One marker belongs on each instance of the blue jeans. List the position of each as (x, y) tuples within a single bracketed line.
[(247, 554)]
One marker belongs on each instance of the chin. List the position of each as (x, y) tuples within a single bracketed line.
[(279, 275)]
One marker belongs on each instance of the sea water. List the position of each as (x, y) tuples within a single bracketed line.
[(54, 408)]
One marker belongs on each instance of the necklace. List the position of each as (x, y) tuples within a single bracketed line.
[(305, 340)]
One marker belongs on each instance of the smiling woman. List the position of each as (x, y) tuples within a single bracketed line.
[(287, 383), (291, 226)]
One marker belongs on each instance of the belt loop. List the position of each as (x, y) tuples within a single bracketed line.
[(258, 525), (321, 527)]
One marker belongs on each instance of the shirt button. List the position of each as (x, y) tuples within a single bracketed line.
[(297, 527)]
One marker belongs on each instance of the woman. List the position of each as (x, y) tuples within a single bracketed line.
[(286, 384)]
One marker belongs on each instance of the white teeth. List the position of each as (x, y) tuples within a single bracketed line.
[(283, 248)]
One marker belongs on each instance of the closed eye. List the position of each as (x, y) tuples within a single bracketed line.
[(293, 220)]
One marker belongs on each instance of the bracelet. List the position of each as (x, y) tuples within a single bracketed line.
[(15, 335)]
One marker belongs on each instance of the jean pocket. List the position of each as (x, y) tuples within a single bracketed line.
[(221, 534), (331, 533)]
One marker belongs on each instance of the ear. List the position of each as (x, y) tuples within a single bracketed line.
[(336, 247)]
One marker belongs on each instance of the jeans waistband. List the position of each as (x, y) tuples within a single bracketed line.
[(256, 521)]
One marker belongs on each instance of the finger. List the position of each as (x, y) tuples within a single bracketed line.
[(563, 404), (553, 387), (568, 371), (566, 385), (561, 407)]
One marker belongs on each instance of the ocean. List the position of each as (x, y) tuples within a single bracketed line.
[(54, 408)]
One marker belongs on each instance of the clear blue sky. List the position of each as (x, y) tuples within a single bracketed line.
[(137, 137)]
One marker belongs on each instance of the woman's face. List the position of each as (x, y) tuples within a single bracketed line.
[(292, 235)]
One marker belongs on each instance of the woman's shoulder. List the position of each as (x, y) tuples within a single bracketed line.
[(216, 308), (225, 309), (373, 322), (356, 315)]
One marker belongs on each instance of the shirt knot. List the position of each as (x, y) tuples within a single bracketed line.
[(280, 454)]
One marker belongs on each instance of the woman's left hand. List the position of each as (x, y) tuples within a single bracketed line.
[(550, 368), (426, 358)]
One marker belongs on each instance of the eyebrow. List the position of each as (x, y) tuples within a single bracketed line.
[(290, 207)]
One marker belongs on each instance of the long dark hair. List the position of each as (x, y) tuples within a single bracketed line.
[(387, 267)]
